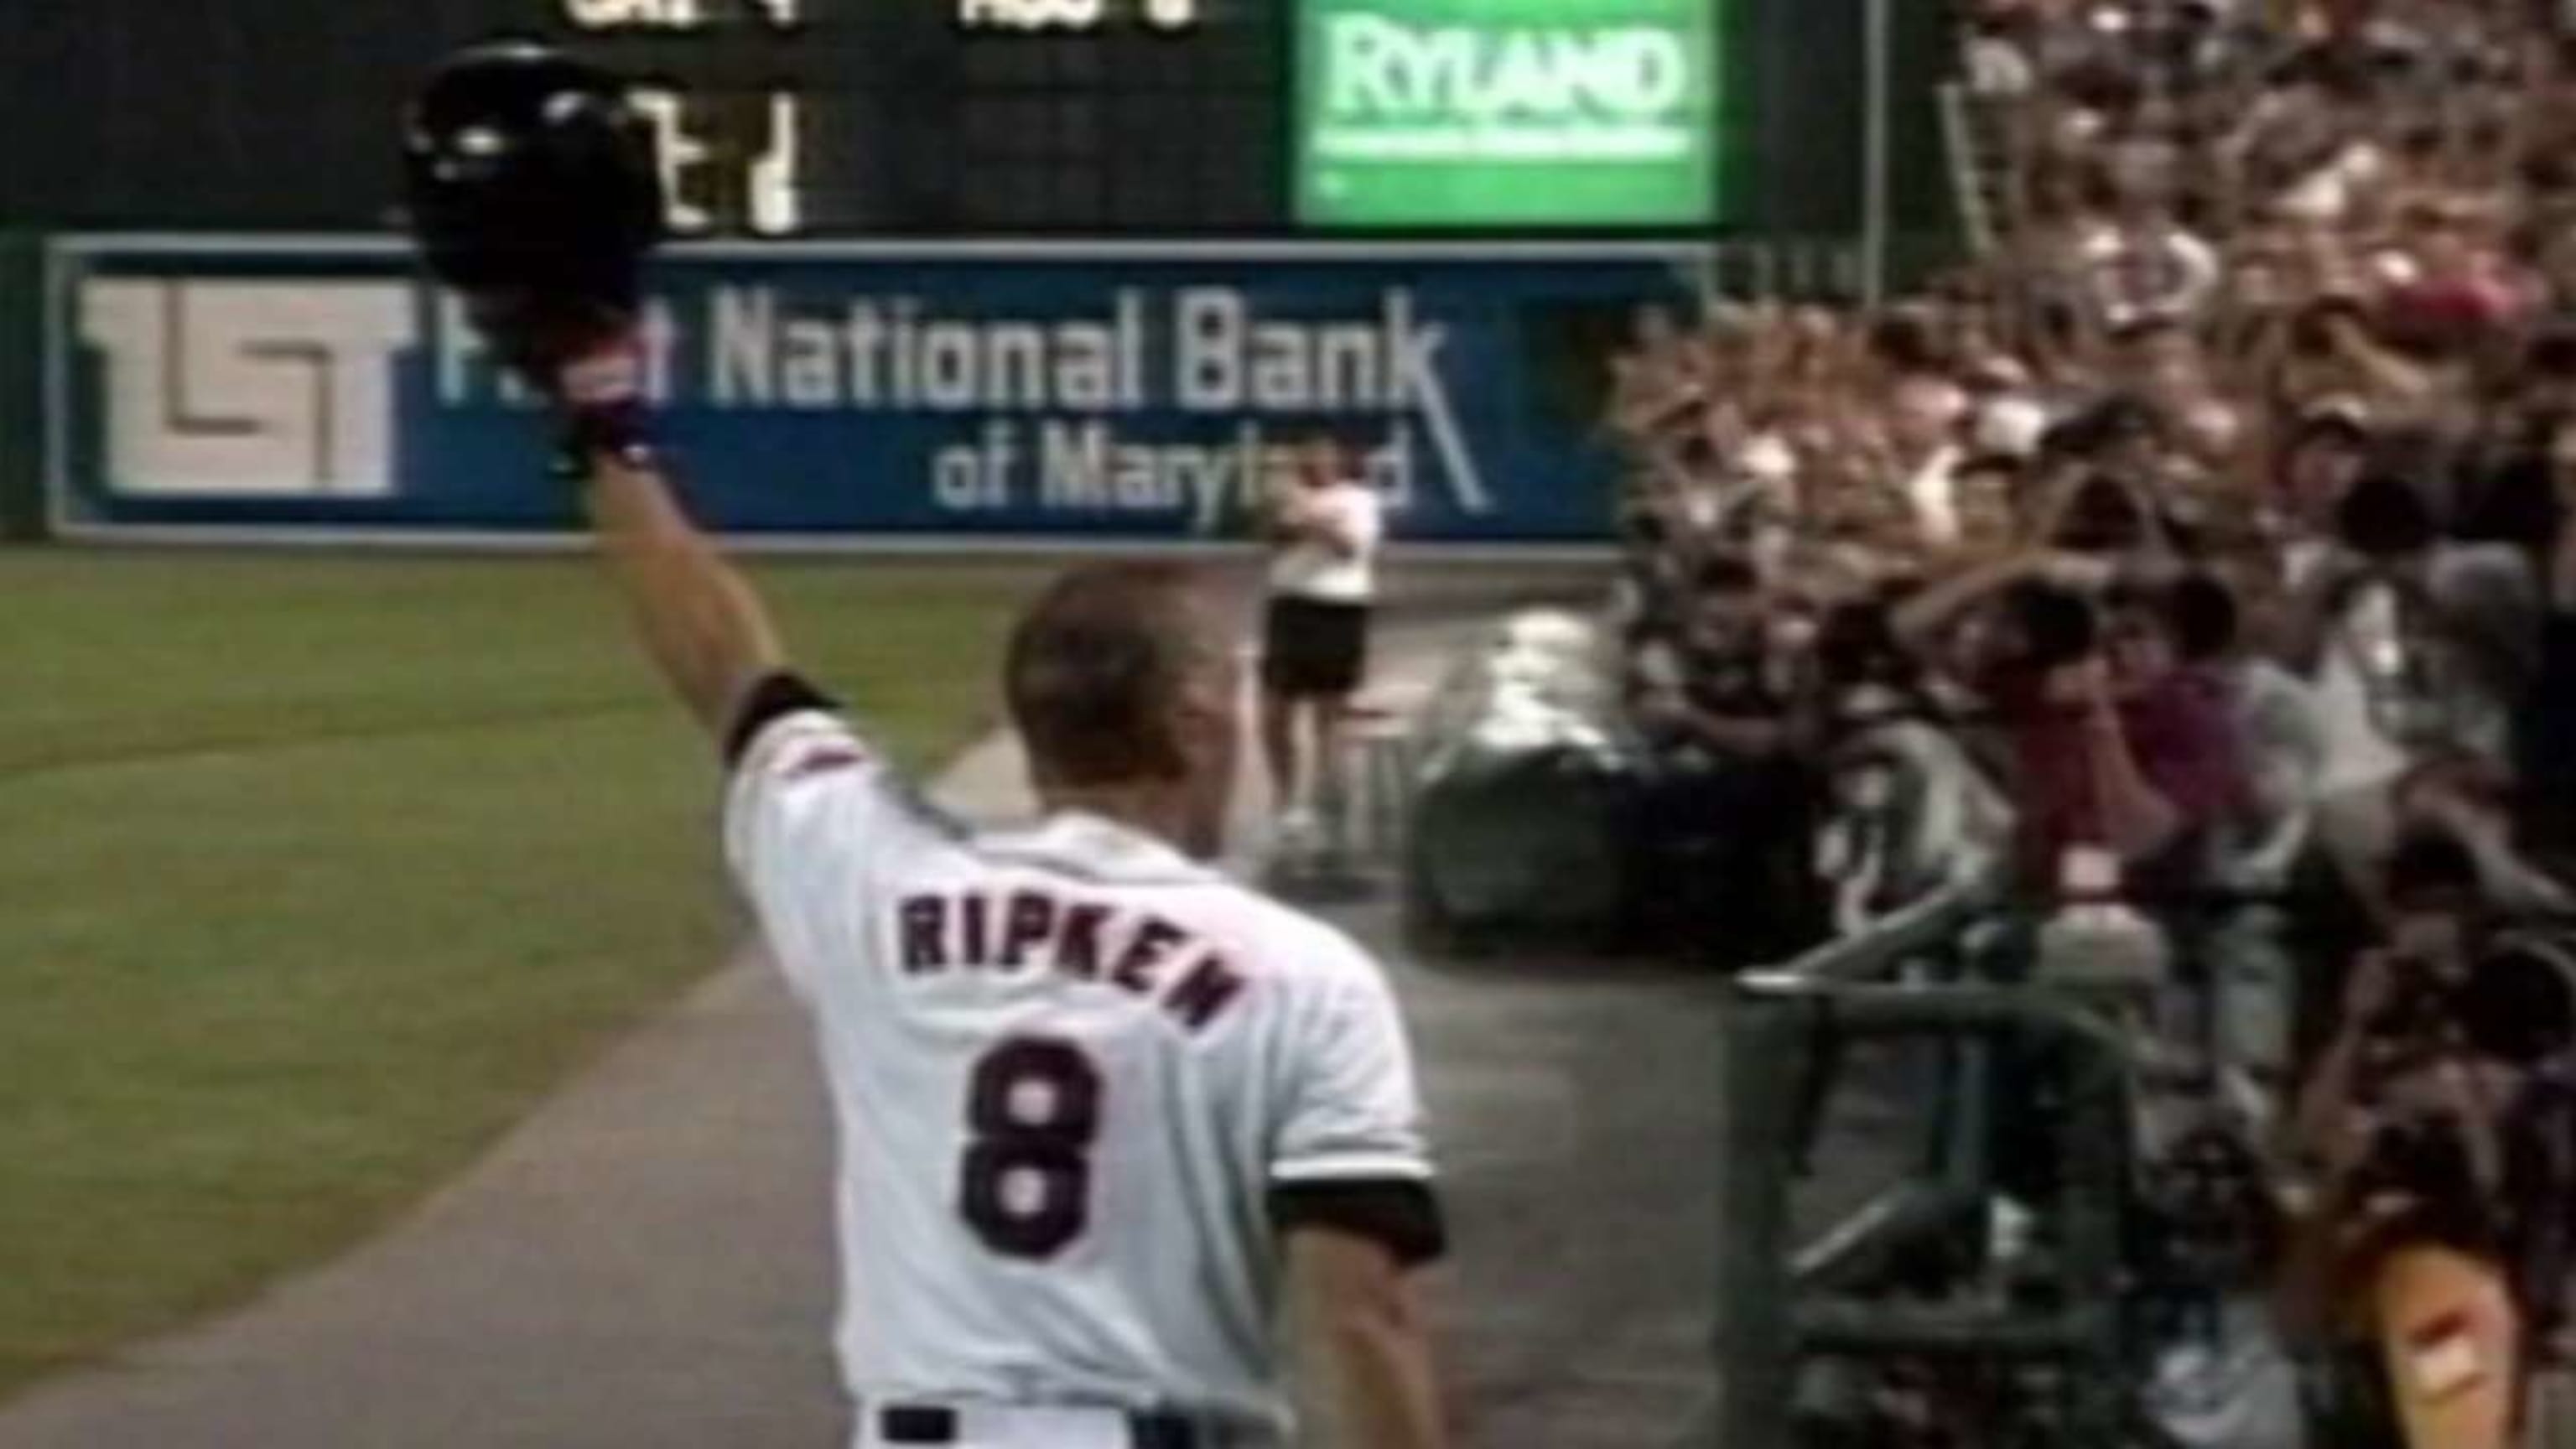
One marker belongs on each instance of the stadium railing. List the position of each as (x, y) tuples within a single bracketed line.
[(1784, 1303)]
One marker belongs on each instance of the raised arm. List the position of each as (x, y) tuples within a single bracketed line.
[(697, 617), (556, 289), (1327, 520), (1923, 619)]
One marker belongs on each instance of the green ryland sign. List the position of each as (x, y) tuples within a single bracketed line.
[(1479, 113)]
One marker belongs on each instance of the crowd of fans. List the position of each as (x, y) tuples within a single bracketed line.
[(2223, 514), (2272, 361)]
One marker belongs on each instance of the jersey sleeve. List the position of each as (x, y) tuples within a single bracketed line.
[(1350, 1156), (811, 804), (1353, 1112)]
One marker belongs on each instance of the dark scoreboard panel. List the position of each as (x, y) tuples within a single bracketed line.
[(780, 117), (839, 118)]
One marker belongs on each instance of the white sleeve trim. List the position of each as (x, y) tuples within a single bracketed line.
[(1352, 1166)]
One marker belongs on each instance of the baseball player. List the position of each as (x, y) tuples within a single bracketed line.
[(1098, 1109)]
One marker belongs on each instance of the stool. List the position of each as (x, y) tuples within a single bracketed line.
[(1377, 766)]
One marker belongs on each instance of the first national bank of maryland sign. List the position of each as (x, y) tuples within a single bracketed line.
[(961, 392), (1495, 113)]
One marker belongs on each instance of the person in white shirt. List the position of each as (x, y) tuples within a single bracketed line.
[(1923, 430), (2142, 263), (1325, 525)]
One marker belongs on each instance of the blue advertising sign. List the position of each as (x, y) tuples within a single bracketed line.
[(860, 394)]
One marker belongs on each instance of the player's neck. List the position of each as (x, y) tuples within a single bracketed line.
[(1149, 808)]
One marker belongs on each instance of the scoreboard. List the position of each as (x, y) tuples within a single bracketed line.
[(895, 118), (833, 117), (779, 117)]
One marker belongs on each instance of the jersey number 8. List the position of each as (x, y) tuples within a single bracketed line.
[(1035, 1111)]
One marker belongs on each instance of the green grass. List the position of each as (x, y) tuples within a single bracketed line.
[(317, 873)]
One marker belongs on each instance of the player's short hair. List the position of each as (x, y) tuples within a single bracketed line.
[(1097, 664)]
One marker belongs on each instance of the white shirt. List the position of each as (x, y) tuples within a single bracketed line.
[(2358, 754), (2328, 193), (2013, 425), (1309, 569), (1066, 1066), (2483, 591), (1997, 68), (1932, 491), (2139, 273)]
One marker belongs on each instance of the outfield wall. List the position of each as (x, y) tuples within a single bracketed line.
[(22, 340), (968, 394)]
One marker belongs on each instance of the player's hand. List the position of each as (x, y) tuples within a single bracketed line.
[(557, 345), (585, 357)]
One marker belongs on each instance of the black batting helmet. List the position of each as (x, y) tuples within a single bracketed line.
[(529, 170)]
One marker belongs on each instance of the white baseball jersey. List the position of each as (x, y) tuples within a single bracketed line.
[(1072, 1072)]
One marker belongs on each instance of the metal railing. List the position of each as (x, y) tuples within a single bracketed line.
[(1787, 1303), (1973, 168)]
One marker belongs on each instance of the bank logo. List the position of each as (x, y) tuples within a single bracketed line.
[(250, 390)]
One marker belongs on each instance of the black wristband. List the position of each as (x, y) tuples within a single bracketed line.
[(771, 699), (618, 431)]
